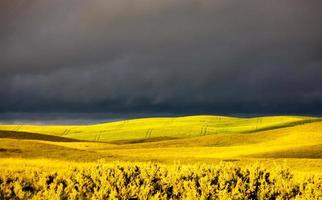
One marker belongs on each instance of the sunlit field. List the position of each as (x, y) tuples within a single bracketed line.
[(180, 127), (198, 157), (124, 180)]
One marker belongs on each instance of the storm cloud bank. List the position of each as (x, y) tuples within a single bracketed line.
[(208, 56)]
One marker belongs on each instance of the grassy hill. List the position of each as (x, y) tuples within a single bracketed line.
[(184, 139), (175, 127)]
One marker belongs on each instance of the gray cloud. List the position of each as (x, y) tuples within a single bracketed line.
[(173, 56)]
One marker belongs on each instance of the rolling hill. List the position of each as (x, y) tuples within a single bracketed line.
[(166, 128), (210, 139)]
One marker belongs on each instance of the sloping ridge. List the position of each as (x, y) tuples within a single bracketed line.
[(34, 136), (285, 125)]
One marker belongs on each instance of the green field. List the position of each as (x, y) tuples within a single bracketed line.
[(184, 139), (175, 127), (290, 141)]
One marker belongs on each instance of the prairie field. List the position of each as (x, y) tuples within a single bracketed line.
[(194, 157)]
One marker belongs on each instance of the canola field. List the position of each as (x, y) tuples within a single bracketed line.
[(197, 157), (155, 181)]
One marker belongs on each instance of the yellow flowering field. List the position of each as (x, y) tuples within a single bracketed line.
[(149, 180)]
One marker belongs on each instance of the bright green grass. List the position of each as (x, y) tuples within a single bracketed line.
[(299, 144), (174, 127)]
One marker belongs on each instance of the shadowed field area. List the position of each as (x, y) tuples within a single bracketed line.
[(34, 136)]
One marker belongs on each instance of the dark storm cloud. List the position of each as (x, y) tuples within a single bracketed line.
[(161, 56)]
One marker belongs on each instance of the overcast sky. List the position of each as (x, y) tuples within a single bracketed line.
[(183, 56)]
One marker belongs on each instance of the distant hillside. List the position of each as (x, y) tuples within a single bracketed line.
[(174, 127)]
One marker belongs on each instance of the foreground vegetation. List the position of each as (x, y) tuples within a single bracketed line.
[(123, 180)]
